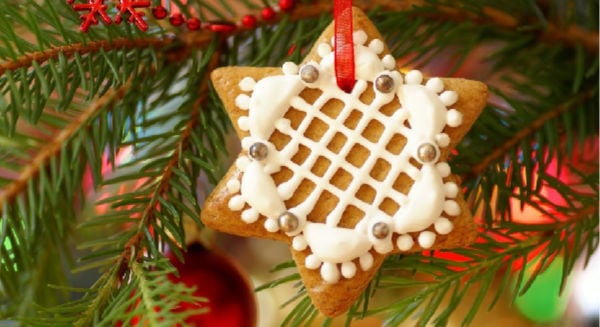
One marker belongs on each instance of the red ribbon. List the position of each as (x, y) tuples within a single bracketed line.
[(344, 45)]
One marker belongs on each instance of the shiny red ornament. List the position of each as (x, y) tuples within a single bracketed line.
[(267, 13), (94, 8), (176, 19), (129, 8), (249, 21), (231, 302), (159, 12), (193, 24), (287, 5)]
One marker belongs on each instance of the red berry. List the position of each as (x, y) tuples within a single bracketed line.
[(176, 19), (249, 21), (159, 12), (287, 5), (267, 13), (193, 24)]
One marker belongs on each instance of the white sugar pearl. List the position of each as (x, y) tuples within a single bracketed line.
[(442, 140), (443, 226), (443, 168), (452, 208), (426, 239), (330, 273), (323, 49), (449, 97), (435, 84), (242, 101), (290, 68), (312, 262), (271, 225), (388, 62), (455, 118), (247, 84), (404, 242), (376, 46), (243, 123), (348, 269), (250, 215), (359, 37), (233, 186), (413, 77), (366, 261), (236, 203), (451, 189), (299, 243)]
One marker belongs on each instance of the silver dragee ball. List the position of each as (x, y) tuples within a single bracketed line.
[(288, 222), (380, 230), (426, 152), (258, 151), (384, 83), (309, 73)]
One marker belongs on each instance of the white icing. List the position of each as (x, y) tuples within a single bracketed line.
[(233, 186), (335, 250)]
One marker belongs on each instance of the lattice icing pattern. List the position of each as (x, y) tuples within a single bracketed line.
[(421, 117)]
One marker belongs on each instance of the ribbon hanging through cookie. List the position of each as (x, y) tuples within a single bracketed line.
[(344, 45)]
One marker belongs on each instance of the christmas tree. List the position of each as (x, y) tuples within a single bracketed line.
[(111, 133)]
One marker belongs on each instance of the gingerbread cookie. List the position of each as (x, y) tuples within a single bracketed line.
[(344, 178)]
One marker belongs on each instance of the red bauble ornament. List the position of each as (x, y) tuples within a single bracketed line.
[(176, 19), (267, 13), (159, 12), (249, 21), (193, 24), (287, 5), (217, 278)]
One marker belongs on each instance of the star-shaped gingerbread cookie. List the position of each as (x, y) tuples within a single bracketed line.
[(345, 179)]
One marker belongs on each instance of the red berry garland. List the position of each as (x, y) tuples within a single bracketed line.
[(129, 10)]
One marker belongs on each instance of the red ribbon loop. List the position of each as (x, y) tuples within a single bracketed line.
[(344, 45)]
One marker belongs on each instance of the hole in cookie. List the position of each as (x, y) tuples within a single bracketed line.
[(295, 117), (380, 169), (403, 183), (391, 107), (279, 139), (351, 216), (332, 108), (353, 119), (389, 206), (337, 142), (301, 155), (341, 179), (325, 204), (301, 193), (415, 163), (316, 129), (283, 175), (407, 124), (368, 95), (310, 95), (396, 144), (320, 166), (366, 194), (373, 131), (357, 155)]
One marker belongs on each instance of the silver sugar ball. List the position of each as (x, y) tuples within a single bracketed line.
[(384, 83), (258, 151), (288, 222), (426, 152), (309, 73), (380, 230)]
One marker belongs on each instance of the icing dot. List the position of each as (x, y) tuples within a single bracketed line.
[(376, 46), (348, 269), (312, 262), (233, 186), (243, 123), (383, 247), (435, 84), (404, 242), (236, 203), (247, 142), (271, 225), (451, 189), (250, 215), (283, 124), (443, 226), (452, 208), (442, 140), (242, 101), (247, 84), (359, 37), (242, 163), (323, 49), (449, 97), (290, 68), (388, 61), (414, 77), (426, 239), (299, 243), (330, 273), (366, 261), (454, 118), (443, 168)]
